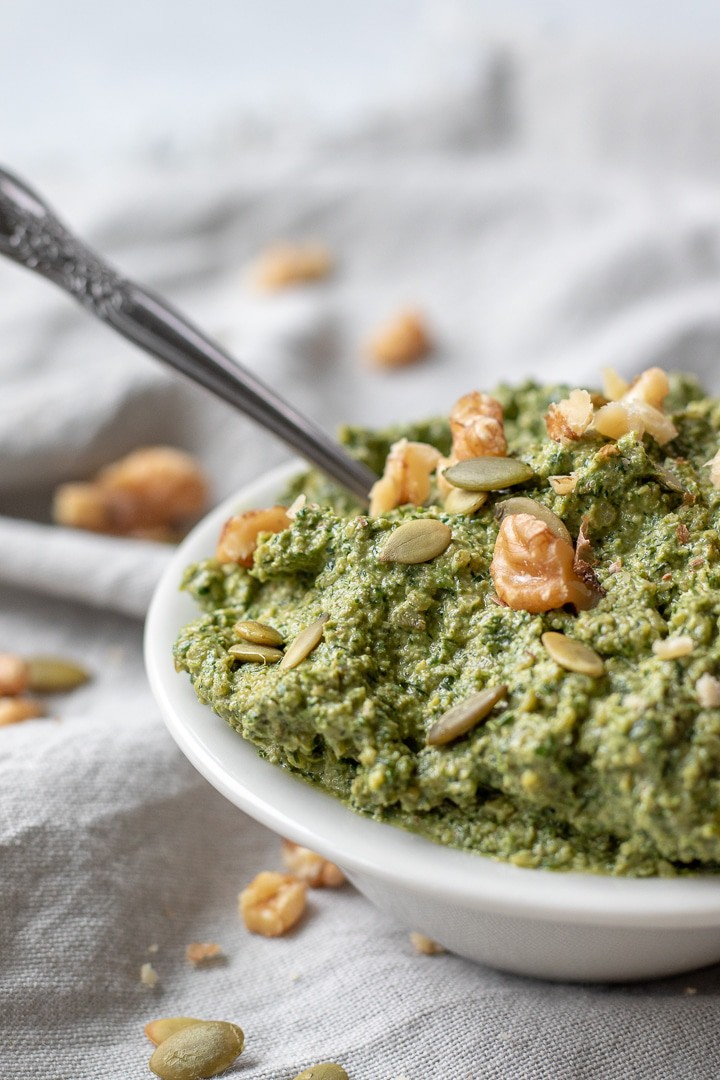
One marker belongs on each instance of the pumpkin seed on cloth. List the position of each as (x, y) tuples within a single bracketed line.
[(52, 675), (573, 655), (159, 1030), (258, 633), (327, 1070), (521, 504), (488, 473), (256, 654), (464, 716), (416, 541), (199, 1051), (464, 502), (304, 643)]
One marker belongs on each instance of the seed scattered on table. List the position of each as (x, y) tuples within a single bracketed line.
[(197, 1051), (308, 866), (326, 1070), (158, 1031), (425, 945), (573, 655), (53, 675)]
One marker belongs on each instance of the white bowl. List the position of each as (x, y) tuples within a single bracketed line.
[(534, 922)]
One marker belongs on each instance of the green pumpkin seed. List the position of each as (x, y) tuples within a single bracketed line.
[(198, 1051), (669, 481), (416, 541), (464, 716), (573, 655), (464, 502), (258, 633), (327, 1070), (51, 675), (158, 1031), (488, 473), (255, 654), (520, 504), (304, 643)]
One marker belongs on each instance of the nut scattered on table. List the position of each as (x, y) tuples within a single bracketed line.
[(13, 710), (202, 952), (149, 976), (284, 265), (308, 866), (403, 340), (150, 494), (14, 675), (272, 903)]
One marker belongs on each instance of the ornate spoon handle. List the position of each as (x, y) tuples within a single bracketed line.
[(32, 235)]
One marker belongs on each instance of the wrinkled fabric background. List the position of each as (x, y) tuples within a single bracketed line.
[(540, 234)]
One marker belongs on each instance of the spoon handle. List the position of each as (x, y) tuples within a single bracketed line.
[(32, 235)]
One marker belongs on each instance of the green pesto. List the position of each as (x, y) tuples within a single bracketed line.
[(618, 774)]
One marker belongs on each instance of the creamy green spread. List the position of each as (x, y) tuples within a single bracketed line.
[(614, 774)]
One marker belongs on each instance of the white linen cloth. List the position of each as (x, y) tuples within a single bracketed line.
[(109, 841)]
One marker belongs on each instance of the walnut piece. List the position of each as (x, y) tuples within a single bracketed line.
[(283, 265), (652, 387), (533, 570), (621, 417), (478, 430), (14, 675), (143, 494), (308, 866), (403, 340), (239, 537), (568, 420), (149, 976), (272, 903), (200, 952), (614, 386), (672, 648), (563, 485), (406, 477)]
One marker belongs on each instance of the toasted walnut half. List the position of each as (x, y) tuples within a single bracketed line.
[(476, 423), (478, 430), (239, 536), (569, 419), (405, 339), (310, 867), (406, 478), (272, 903), (533, 570)]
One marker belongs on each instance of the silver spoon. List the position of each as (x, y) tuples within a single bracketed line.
[(32, 236)]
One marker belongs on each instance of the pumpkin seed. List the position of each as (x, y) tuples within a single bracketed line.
[(464, 716), (327, 1070), (488, 473), (51, 675), (304, 643), (464, 502), (416, 541), (255, 654), (258, 633), (200, 1050), (669, 481), (520, 504), (158, 1031), (573, 655)]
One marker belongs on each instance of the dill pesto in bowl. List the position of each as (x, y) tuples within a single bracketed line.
[(565, 647)]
